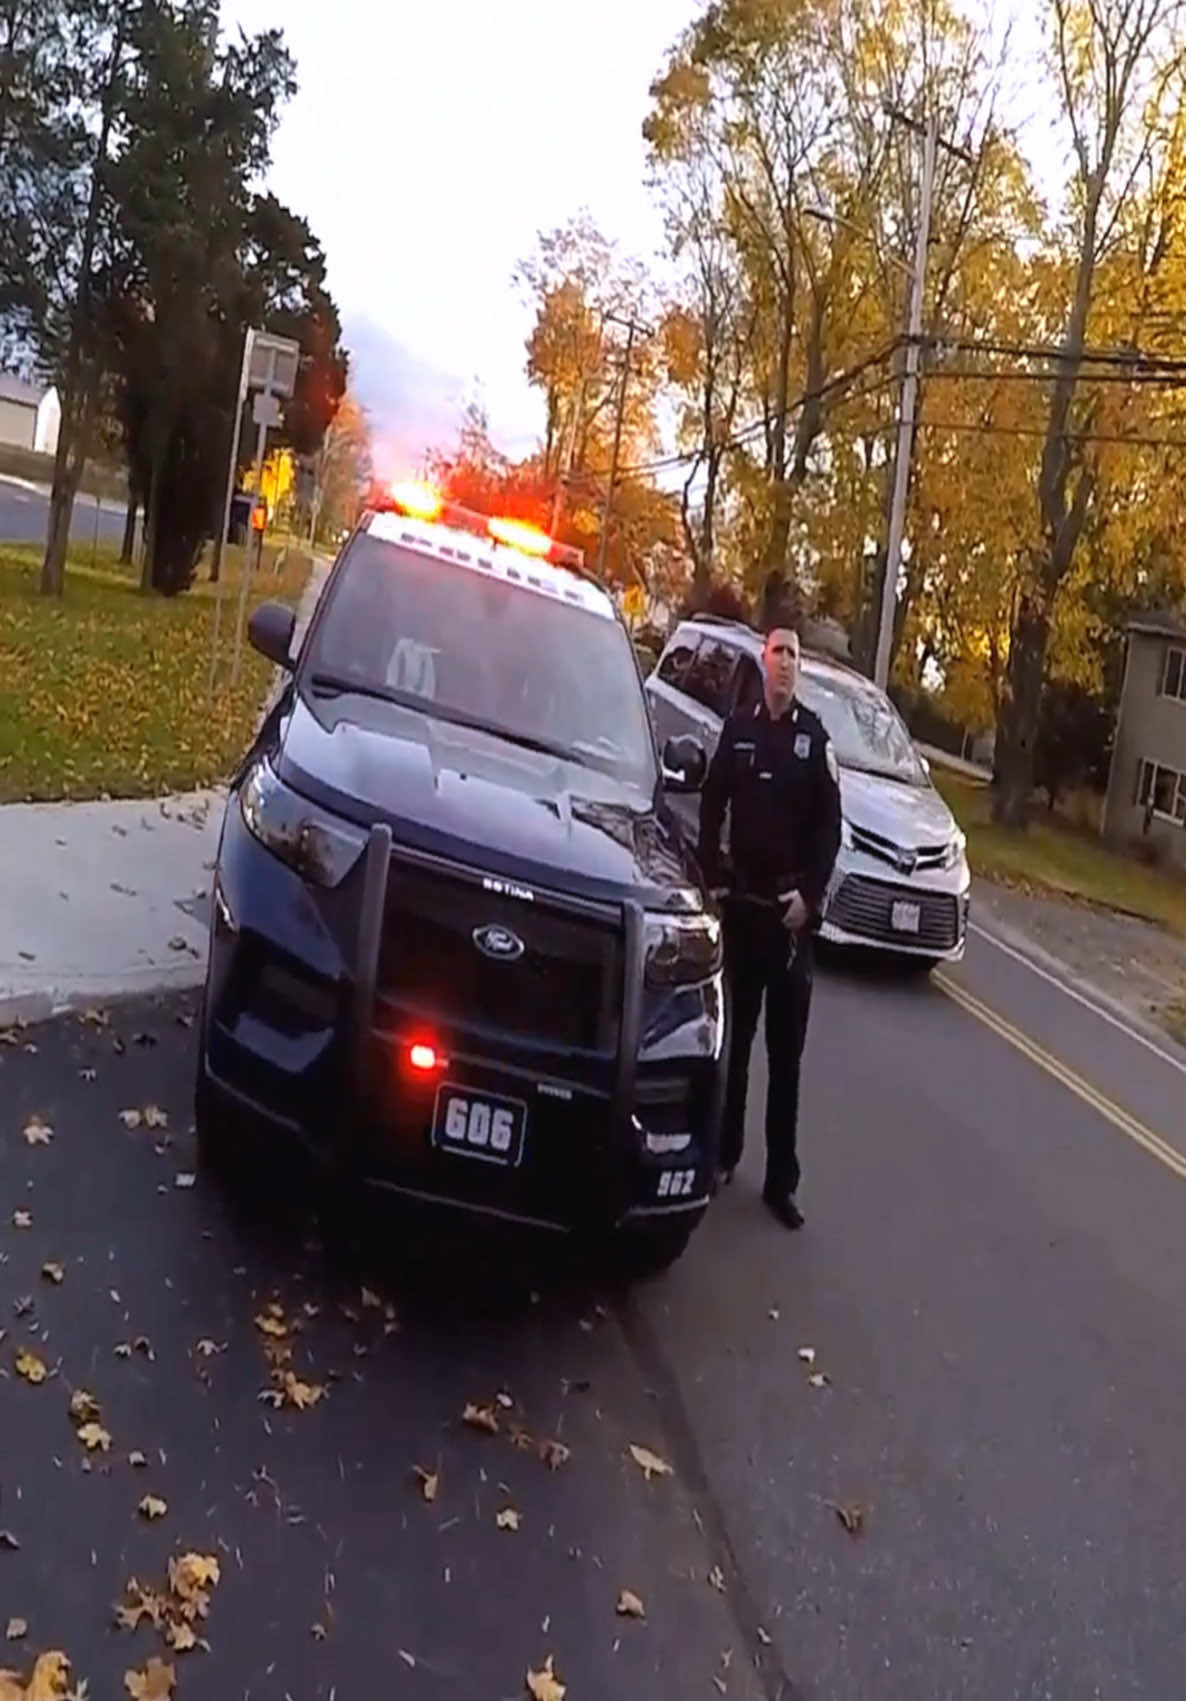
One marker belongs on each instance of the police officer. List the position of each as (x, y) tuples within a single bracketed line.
[(775, 771)]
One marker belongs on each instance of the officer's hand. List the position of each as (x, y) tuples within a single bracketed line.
[(795, 915)]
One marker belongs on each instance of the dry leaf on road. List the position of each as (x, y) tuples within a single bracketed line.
[(851, 1516), (37, 1132), (208, 1348), (509, 1519), (271, 1322), (430, 1483), (154, 1683), (300, 1394), (818, 1379), (53, 1272), (180, 1636), (807, 1354), (152, 1506), (30, 1367), (155, 1117), (191, 1577), (554, 1454), (650, 1464), (185, 1178), (22, 1219), (9, 1541), (84, 1408), (17, 1627), (131, 1118), (50, 1679), (716, 1578), (136, 1459), (629, 1605), (480, 1417), (545, 1685), (94, 1438)]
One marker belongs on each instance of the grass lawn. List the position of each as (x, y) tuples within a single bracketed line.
[(1051, 856), (105, 691)]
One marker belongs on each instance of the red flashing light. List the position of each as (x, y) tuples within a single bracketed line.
[(423, 1057), (421, 501)]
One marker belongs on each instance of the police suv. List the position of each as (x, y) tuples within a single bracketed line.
[(458, 951)]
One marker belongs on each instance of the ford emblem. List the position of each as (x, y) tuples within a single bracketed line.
[(498, 942)]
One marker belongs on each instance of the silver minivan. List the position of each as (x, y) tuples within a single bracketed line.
[(902, 881)]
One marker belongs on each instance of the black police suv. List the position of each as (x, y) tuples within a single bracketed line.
[(458, 949)]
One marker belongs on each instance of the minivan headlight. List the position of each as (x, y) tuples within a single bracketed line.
[(681, 949), (315, 844), (955, 850), (845, 833)]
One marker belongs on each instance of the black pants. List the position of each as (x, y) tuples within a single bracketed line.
[(756, 962)]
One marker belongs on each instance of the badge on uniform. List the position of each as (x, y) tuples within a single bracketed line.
[(802, 744)]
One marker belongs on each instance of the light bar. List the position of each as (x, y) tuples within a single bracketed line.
[(425, 502), (419, 500), (516, 534)]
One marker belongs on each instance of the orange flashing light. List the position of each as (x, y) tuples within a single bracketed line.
[(516, 534), (259, 517), (421, 501)]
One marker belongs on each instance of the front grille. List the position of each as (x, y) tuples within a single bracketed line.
[(564, 990), (864, 907), (908, 857)]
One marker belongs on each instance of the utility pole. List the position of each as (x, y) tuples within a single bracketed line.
[(903, 454), (634, 328), (578, 411)]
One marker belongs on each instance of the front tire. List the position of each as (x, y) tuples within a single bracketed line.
[(646, 1253)]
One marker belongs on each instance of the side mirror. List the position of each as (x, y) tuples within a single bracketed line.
[(270, 630), (684, 764)]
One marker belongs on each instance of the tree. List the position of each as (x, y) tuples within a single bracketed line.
[(1118, 65), (342, 470)]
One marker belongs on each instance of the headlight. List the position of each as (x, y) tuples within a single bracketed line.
[(955, 850), (845, 834), (682, 949), (317, 845)]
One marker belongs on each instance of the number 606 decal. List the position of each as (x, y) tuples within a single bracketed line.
[(677, 1183)]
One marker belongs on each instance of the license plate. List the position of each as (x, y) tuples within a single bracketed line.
[(479, 1125), (906, 918)]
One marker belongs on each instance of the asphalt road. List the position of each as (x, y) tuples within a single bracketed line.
[(993, 1279), (24, 515)]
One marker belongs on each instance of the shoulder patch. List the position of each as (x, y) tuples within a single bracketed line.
[(830, 759)]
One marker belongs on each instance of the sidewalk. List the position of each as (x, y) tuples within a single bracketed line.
[(103, 900)]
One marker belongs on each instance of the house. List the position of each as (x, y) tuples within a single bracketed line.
[(29, 416), (1146, 797)]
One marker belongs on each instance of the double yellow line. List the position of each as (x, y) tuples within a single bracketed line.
[(1129, 1125)]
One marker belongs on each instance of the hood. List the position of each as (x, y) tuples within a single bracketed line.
[(471, 795), (910, 816)]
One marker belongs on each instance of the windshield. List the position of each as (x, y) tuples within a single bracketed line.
[(484, 653), (866, 730)]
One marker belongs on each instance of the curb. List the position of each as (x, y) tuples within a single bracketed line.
[(26, 1009)]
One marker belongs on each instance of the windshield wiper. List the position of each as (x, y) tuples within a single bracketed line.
[(338, 684)]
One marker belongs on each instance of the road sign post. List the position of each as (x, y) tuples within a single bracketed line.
[(269, 368)]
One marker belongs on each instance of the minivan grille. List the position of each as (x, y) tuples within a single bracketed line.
[(562, 990), (865, 907)]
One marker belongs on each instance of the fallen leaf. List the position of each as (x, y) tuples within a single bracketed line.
[(22, 1219), (185, 1178), (17, 1627), (191, 1577), (545, 1685), (37, 1132), (371, 1300), (94, 1438), (505, 1401), (318, 1632), (154, 1683), (430, 1483), (554, 1454), (818, 1379), (300, 1394), (152, 1506), (629, 1605), (143, 1345), (50, 1678), (764, 1637), (30, 1367), (807, 1354), (180, 1635), (84, 1408), (269, 1324), (8, 1540), (123, 1349), (209, 1348), (155, 1117), (53, 1272), (716, 1578), (774, 1314), (136, 1459), (720, 1685), (131, 1118), (11, 1686), (480, 1417), (509, 1519), (851, 1516), (88, 1074), (650, 1464)]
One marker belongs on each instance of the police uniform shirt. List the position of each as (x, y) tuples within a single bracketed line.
[(780, 781)]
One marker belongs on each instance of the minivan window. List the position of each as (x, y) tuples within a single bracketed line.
[(674, 663), (710, 676), (866, 730), (482, 652)]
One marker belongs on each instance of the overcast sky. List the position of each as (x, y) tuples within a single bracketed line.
[(427, 146)]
